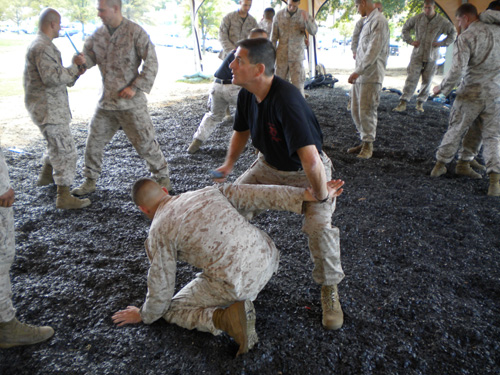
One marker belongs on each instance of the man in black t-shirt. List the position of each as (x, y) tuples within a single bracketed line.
[(222, 95), (286, 132)]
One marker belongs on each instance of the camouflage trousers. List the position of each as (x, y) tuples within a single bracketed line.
[(138, 127), (7, 251), (324, 242), (194, 305), (464, 113), (221, 96), (293, 70), (415, 69), (365, 98), (61, 152), (472, 142)]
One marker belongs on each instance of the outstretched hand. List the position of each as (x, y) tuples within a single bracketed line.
[(130, 315)]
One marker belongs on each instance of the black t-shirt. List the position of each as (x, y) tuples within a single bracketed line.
[(281, 124), (224, 72)]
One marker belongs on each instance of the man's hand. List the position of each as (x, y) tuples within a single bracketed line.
[(7, 199), (127, 93), (129, 316), (415, 43), (333, 187), (225, 170), (79, 60), (352, 78), (436, 90)]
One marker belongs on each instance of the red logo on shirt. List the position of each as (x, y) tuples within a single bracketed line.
[(273, 132)]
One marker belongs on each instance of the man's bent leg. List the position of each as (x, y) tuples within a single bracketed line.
[(61, 152), (102, 128), (427, 75), (413, 71), (139, 129), (462, 115)]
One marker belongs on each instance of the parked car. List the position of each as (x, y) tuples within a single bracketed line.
[(213, 45), (393, 50)]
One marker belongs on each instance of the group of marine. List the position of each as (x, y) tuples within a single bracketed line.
[(209, 228)]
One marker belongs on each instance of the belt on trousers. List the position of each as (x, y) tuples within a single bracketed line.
[(223, 81)]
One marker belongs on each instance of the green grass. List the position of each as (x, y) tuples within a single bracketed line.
[(11, 87)]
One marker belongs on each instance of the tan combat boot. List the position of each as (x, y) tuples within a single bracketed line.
[(420, 106), (439, 169), (238, 321), (355, 149), (87, 187), (463, 168), (15, 333), (479, 167), (494, 188), (194, 146), (45, 177), (333, 316), (366, 150), (401, 106), (68, 202), (165, 182)]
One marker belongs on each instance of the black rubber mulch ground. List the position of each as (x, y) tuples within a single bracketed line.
[(421, 293)]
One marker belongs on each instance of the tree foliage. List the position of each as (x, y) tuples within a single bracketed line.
[(136, 10), (82, 11), (208, 17)]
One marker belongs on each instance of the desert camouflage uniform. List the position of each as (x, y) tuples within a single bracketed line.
[(46, 99), (323, 238), (476, 57), (371, 60), (266, 25), (232, 29), (221, 96), (205, 229), (356, 33), (423, 58), (119, 56), (7, 250), (289, 32)]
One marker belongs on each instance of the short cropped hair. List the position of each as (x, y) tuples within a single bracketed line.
[(260, 51), (429, 2), (269, 13), (256, 31), (137, 188), (111, 3), (494, 5), (466, 8)]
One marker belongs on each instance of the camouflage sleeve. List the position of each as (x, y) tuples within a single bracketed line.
[(407, 28), (146, 51), (88, 52), (490, 16), (264, 197), (4, 175), (161, 280), (374, 48), (451, 34), (461, 56), (227, 45), (275, 33), (52, 73), (311, 25), (355, 35)]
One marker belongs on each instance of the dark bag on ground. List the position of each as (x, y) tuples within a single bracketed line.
[(326, 80)]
